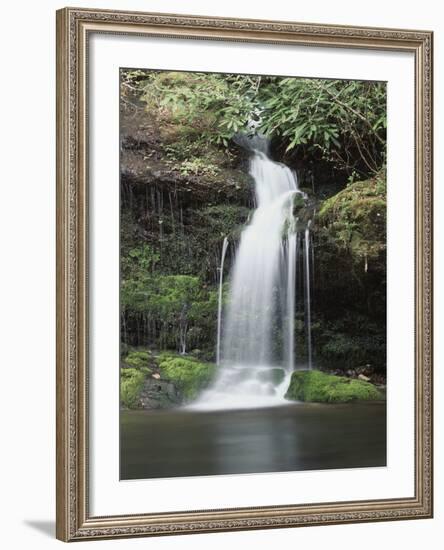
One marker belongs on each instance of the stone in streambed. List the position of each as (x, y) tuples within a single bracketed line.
[(158, 394), (274, 375)]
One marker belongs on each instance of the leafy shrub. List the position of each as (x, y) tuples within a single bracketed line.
[(347, 350), (343, 122)]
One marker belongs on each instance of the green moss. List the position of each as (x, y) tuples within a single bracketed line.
[(137, 359), (355, 218), (131, 383), (188, 374), (319, 387)]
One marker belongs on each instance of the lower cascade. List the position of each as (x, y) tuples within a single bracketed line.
[(256, 351)]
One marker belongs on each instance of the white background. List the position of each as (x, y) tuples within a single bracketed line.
[(27, 289)]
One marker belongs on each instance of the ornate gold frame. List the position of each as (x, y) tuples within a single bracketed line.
[(73, 519)]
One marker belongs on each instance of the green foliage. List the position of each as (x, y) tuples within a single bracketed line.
[(188, 374), (341, 346), (182, 303), (173, 295), (137, 359), (345, 349), (136, 269), (340, 121), (143, 289), (345, 121), (182, 307), (215, 106), (319, 387), (131, 383)]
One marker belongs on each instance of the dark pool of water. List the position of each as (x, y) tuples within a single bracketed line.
[(180, 442)]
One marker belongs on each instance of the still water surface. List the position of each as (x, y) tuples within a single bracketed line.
[(183, 442)]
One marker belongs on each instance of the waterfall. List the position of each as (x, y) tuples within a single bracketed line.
[(219, 305), (255, 277), (307, 292), (255, 363)]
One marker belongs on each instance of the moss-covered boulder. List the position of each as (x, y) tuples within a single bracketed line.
[(169, 381), (189, 375), (131, 384), (355, 221), (319, 387)]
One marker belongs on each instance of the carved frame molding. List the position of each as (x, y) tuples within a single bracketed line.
[(73, 519)]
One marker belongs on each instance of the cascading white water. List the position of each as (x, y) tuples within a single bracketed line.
[(307, 292), (251, 373), (254, 285), (219, 305)]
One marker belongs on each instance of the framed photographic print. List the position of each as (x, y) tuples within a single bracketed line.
[(244, 285)]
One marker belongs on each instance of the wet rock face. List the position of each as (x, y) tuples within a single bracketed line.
[(144, 163), (159, 394)]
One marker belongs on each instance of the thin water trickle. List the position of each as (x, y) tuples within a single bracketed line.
[(307, 292), (292, 252)]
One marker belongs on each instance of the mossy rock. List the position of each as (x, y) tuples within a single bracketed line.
[(319, 387), (274, 375), (355, 218), (131, 384), (189, 375), (298, 202), (159, 394), (137, 359)]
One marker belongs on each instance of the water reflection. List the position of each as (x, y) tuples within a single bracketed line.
[(289, 438)]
